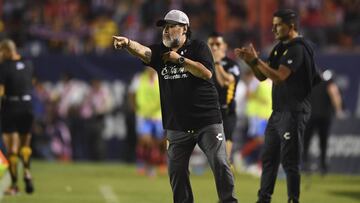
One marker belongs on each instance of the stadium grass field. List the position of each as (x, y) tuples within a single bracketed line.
[(118, 183)]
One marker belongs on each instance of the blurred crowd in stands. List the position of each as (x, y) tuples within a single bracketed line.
[(82, 26), (74, 118)]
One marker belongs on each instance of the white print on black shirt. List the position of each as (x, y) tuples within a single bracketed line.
[(20, 65), (172, 72)]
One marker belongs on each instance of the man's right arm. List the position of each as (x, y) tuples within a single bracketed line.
[(336, 99), (133, 47)]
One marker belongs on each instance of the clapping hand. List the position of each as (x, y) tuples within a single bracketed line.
[(246, 53)]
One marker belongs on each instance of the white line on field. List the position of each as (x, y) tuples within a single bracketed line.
[(108, 194)]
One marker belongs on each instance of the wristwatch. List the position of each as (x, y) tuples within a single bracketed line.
[(254, 62), (181, 60)]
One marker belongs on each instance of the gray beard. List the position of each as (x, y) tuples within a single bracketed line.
[(172, 43)]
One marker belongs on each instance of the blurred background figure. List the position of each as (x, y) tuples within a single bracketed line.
[(145, 100), (95, 105), (258, 110), (17, 113), (227, 75), (326, 101)]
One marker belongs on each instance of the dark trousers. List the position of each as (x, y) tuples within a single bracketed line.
[(211, 140), (322, 126), (229, 123), (283, 144)]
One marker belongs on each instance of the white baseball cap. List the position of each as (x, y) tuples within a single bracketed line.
[(174, 16)]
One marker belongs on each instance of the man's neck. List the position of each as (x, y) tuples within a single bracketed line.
[(292, 35)]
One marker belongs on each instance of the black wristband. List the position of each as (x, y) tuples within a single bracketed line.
[(217, 63), (254, 62)]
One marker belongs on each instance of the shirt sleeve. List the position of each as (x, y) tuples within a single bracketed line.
[(204, 56), (155, 56), (293, 57), (235, 71)]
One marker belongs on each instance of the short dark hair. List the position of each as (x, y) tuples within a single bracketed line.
[(188, 33), (288, 16), (215, 34)]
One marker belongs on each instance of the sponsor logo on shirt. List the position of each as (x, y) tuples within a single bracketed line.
[(173, 72), (290, 61)]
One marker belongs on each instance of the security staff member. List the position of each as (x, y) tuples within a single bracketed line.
[(291, 68), (227, 75), (326, 101), (15, 88), (189, 104)]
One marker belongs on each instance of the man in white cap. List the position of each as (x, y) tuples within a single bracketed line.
[(189, 101)]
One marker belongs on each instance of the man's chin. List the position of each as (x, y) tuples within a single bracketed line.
[(166, 44), (173, 44)]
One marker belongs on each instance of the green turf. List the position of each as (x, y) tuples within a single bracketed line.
[(93, 182)]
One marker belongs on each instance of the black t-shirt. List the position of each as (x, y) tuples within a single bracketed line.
[(16, 76), (227, 93), (293, 94), (187, 102)]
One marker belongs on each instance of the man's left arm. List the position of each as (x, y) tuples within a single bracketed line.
[(197, 68)]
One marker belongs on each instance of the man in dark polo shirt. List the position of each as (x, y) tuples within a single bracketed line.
[(189, 103), (16, 110), (292, 69), (227, 75)]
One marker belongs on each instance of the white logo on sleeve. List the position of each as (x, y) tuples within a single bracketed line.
[(287, 136), (235, 70), (290, 61), (219, 136), (20, 66)]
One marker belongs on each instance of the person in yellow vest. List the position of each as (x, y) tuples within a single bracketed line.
[(150, 149), (258, 110)]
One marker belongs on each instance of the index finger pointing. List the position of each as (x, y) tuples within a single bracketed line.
[(116, 37)]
